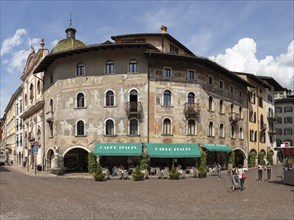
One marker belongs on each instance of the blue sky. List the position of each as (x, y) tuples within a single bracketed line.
[(249, 36)]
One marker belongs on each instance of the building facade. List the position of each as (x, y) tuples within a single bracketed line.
[(19, 130), (33, 114), (141, 88)]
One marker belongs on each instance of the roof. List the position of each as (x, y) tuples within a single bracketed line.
[(168, 36), (67, 44), (254, 78), (202, 60), (273, 82), (49, 59)]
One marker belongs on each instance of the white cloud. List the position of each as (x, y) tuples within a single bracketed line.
[(10, 43), (242, 58), (53, 43), (17, 61)]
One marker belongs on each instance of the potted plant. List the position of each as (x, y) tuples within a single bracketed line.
[(138, 175), (231, 161), (261, 158), (144, 167), (92, 165), (174, 174), (202, 168), (99, 175)]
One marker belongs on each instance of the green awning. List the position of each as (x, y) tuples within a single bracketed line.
[(173, 150), (118, 149), (217, 147)]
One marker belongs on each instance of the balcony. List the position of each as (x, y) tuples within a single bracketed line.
[(134, 109), (272, 117), (192, 110), (49, 116), (234, 117)]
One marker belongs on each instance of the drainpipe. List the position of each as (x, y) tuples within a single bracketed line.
[(148, 97), (258, 133)]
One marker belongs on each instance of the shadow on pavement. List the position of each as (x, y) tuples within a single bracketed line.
[(3, 169)]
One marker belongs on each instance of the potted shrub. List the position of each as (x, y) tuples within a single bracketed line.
[(261, 158), (251, 159), (92, 165), (202, 168), (231, 161), (144, 165), (174, 174), (138, 175), (99, 175)]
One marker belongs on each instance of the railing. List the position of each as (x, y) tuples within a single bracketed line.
[(49, 116), (192, 110), (234, 117), (272, 117), (134, 109)]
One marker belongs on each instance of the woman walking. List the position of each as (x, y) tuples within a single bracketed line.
[(242, 176), (235, 180), (269, 171)]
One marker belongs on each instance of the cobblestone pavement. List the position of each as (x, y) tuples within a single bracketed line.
[(43, 196)]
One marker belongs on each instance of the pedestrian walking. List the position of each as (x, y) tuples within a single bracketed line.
[(235, 180), (218, 169), (269, 171), (242, 176), (259, 170)]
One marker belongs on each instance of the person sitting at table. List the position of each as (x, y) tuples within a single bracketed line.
[(113, 173)]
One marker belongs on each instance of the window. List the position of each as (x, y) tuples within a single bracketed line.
[(50, 124), (80, 69), (20, 124), (270, 98), (255, 136), (288, 131), (109, 68), (210, 80), (109, 98), (279, 110), (80, 100), (232, 89), (211, 129), (51, 109), (240, 93), (20, 139), (16, 124), (221, 106), (251, 97), (109, 128), (31, 92), (288, 120), (25, 99), (191, 127), (167, 98), (191, 99), (232, 108), (17, 142), (80, 128), (191, 74), (133, 66), (39, 87), (221, 84), (134, 127), (221, 131), (262, 137), (260, 102), (287, 109), (210, 103), (166, 127), (167, 72), (251, 133), (241, 112), (233, 131), (279, 120), (20, 106), (174, 49), (51, 78), (254, 118), (241, 133), (251, 116)]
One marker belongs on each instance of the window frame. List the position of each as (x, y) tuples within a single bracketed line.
[(166, 127), (167, 98), (109, 67), (133, 66), (80, 69)]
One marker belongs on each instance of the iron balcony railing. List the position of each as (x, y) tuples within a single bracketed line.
[(234, 117), (134, 109), (192, 110)]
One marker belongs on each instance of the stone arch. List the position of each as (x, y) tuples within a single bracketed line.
[(240, 157), (75, 159)]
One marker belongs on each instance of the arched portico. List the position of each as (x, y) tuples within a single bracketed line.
[(76, 159), (240, 157)]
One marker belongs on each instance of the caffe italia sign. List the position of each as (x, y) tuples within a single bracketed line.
[(118, 149), (172, 149)]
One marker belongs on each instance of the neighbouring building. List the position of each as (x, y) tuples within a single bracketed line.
[(19, 130), (32, 109), (141, 90)]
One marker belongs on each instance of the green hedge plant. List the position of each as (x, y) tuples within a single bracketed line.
[(251, 159), (138, 175), (174, 174), (202, 167), (99, 175), (92, 164)]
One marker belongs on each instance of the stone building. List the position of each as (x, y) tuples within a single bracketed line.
[(33, 114), (19, 129), (139, 89)]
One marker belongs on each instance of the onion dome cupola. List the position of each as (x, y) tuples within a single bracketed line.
[(70, 42)]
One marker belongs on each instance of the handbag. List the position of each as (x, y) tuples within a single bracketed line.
[(244, 176)]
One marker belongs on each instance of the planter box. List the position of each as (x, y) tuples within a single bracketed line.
[(201, 175)]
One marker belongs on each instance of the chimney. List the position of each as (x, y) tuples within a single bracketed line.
[(163, 29)]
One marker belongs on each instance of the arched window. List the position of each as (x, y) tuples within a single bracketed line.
[(80, 128), (167, 98), (191, 127), (109, 67), (210, 129), (255, 136), (134, 127), (51, 107), (254, 117), (221, 130), (80, 69), (191, 99), (39, 87), (109, 127), (232, 108), (241, 113), (232, 131), (25, 99), (241, 134), (221, 106), (166, 126), (210, 103), (109, 98), (133, 66), (261, 122), (31, 92), (133, 101), (80, 100)]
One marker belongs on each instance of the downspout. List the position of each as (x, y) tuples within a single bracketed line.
[(258, 133), (148, 97)]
